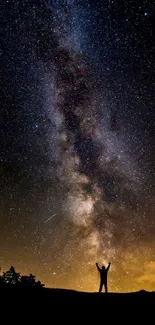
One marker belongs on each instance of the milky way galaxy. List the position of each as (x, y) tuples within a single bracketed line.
[(77, 130)]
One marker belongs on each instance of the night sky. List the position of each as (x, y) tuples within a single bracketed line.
[(77, 125)]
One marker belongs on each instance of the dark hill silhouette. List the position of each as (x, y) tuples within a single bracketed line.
[(26, 298), (59, 306), (56, 296)]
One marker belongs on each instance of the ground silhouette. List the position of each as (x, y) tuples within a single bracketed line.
[(61, 296), (30, 302)]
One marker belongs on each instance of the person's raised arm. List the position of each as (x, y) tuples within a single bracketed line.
[(98, 267), (108, 266)]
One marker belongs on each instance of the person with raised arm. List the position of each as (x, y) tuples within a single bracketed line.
[(103, 276)]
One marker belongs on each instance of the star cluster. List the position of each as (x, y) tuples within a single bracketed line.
[(77, 135)]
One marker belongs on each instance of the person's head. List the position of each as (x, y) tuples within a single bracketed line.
[(103, 267)]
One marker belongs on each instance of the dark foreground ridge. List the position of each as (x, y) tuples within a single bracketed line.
[(60, 306), (44, 296)]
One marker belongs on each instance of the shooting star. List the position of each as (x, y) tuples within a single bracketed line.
[(50, 218)]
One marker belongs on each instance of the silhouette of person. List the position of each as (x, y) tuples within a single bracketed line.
[(103, 276)]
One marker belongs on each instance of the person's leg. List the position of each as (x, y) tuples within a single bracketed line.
[(100, 288), (106, 287)]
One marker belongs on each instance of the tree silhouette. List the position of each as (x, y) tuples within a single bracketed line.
[(14, 278), (11, 276), (2, 280), (30, 281)]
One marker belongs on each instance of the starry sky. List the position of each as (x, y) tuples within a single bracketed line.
[(77, 162)]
